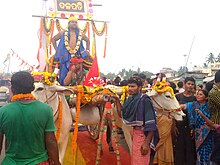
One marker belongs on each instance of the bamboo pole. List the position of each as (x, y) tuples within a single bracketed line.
[(39, 16)]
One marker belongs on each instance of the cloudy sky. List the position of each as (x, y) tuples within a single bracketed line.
[(142, 33)]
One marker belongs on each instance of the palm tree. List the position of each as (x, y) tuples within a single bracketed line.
[(218, 58), (210, 58), (205, 65)]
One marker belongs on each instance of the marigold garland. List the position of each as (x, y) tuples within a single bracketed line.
[(124, 94), (88, 93), (60, 28), (60, 118), (161, 87), (19, 97), (49, 30), (45, 77), (97, 32), (66, 42), (78, 102), (102, 130)]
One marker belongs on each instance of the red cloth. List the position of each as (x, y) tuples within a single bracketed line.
[(47, 162), (137, 158), (76, 60), (44, 163), (108, 105), (93, 72)]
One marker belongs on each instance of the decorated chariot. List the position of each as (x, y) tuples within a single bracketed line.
[(68, 76), (71, 70)]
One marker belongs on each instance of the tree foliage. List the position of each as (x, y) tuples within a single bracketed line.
[(125, 74), (182, 70), (211, 58), (218, 58)]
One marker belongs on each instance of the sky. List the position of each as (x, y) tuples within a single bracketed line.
[(142, 33)]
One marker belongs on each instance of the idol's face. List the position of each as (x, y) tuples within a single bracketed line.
[(133, 89), (73, 24)]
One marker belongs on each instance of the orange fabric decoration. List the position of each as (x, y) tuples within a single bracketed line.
[(106, 34), (89, 32), (41, 31), (60, 118), (51, 64)]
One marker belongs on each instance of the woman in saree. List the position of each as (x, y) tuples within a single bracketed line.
[(201, 132)]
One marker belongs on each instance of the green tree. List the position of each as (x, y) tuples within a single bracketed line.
[(125, 74), (210, 58), (218, 58), (205, 65), (182, 70)]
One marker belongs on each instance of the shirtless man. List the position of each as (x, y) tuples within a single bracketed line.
[(70, 46), (72, 26)]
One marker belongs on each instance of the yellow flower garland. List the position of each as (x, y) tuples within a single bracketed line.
[(88, 94), (161, 87), (66, 42), (46, 77), (124, 94)]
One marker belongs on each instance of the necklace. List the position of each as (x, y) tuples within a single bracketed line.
[(19, 97), (66, 42)]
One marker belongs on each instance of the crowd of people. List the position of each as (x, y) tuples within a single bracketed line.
[(195, 139)]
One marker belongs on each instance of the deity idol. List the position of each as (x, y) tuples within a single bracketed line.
[(70, 46)]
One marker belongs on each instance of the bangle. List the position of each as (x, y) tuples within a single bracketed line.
[(87, 50)]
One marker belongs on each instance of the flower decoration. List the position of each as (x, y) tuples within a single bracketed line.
[(52, 14), (96, 81), (45, 77), (66, 42), (19, 97), (163, 86), (89, 17)]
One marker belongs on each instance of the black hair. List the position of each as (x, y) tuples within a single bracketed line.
[(205, 92), (201, 86), (124, 83), (135, 80), (180, 84), (22, 83), (173, 86), (142, 76), (104, 79), (189, 79), (135, 75), (217, 77), (148, 80), (209, 85), (117, 81)]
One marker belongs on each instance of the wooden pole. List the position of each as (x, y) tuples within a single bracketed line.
[(39, 16)]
